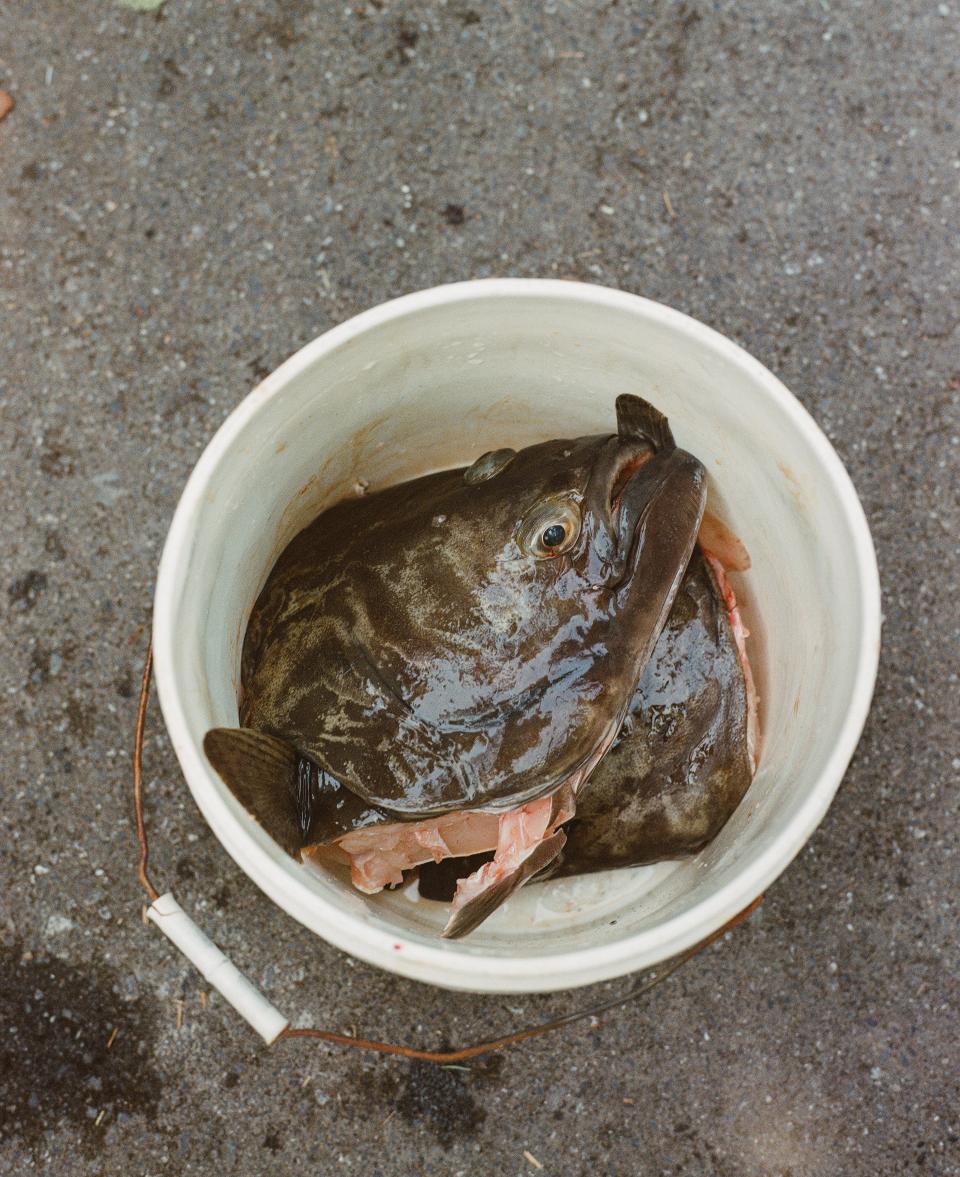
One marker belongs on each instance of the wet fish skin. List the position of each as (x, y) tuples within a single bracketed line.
[(681, 764), (407, 646)]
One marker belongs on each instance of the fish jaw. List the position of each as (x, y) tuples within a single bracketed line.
[(682, 762), (529, 839), (379, 855)]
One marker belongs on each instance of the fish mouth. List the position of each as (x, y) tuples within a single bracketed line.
[(610, 502), (628, 467), (616, 465), (627, 486)]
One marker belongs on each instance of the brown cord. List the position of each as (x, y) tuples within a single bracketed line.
[(456, 1056), (430, 1056), (138, 776)]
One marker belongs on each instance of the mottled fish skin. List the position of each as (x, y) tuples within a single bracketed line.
[(408, 646), (681, 764)]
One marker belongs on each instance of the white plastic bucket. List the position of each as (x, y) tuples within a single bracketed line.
[(433, 380)]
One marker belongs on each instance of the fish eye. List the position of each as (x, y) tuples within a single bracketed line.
[(550, 528)]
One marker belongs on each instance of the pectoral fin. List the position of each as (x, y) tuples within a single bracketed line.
[(262, 773)]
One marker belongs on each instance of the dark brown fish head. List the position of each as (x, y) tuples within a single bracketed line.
[(473, 638), (576, 550)]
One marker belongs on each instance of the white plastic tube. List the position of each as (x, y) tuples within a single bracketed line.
[(221, 972)]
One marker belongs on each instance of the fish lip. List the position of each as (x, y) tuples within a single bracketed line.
[(620, 523), (600, 555), (628, 532), (585, 765), (626, 519), (540, 788), (626, 470)]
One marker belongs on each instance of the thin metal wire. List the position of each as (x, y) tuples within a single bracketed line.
[(372, 1044)]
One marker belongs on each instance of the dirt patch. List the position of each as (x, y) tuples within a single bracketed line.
[(441, 1100), (24, 592), (71, 1050)]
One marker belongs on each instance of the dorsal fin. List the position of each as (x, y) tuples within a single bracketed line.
[(637, 418)]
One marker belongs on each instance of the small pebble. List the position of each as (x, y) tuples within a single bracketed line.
[(56, 925)]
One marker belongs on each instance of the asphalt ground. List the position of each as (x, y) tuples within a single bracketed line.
[(187, 195)]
